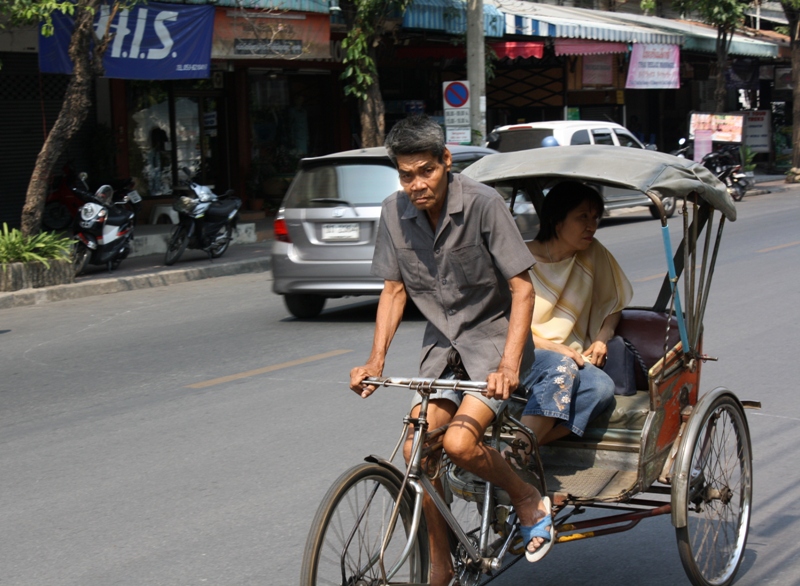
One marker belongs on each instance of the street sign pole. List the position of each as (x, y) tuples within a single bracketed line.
[(476, 71)]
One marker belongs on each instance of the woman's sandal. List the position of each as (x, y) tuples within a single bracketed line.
[(538, 530)]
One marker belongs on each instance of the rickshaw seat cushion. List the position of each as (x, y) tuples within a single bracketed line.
[(646, 330), (628, 413)]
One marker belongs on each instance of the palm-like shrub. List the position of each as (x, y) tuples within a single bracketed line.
[(41, 247)]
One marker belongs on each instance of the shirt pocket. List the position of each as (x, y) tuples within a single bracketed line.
[(418, 269), (473, 267)]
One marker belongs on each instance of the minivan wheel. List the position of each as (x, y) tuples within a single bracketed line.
[(669, 208), (304, 306)]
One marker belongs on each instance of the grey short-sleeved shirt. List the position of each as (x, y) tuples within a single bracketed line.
[(458, 277)]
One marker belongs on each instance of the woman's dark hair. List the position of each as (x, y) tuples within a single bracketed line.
[(560, 201), (415, 134)]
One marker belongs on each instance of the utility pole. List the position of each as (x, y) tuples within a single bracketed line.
[(476, 71)]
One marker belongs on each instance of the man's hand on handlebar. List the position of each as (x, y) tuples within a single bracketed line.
[(357, 376), (503, 382)]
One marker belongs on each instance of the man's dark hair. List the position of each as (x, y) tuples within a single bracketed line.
[(561, 200), (415, 134)]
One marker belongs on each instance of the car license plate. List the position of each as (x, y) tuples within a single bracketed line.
[(340, 232)]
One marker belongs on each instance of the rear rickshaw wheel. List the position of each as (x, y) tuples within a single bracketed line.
[(713, 490)]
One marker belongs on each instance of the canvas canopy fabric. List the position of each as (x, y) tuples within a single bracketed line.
[(643, 170)]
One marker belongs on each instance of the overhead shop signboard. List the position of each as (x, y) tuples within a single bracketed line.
[(150, 41), (654, 67), (269, 34)]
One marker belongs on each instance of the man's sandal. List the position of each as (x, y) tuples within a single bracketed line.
[(538, 530)]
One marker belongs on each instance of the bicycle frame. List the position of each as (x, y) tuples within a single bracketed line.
[(420, 483)]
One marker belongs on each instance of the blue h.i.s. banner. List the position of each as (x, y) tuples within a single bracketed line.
[(149, 41)]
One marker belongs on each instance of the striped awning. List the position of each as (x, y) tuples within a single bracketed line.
[(544, 20), (450, 16)]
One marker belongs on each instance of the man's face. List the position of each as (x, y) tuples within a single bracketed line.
[(424, 179)]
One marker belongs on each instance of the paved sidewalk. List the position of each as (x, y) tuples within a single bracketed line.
[(142, 272)]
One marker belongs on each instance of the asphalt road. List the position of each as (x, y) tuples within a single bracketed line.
[(185, 434)]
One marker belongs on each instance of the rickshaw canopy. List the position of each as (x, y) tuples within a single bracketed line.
[(643, 170)]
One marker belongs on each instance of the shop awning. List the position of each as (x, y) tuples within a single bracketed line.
[(704, 40), (702, 37), (515, 49), (584, 47), (451, 16), (544, 20)]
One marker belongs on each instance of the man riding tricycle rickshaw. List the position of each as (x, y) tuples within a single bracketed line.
[(662, 447)]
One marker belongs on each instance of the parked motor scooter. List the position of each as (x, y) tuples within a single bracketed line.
[(206, 222), (684, 149), (741, 180), (725, 164), (63, 203), (104, 227)]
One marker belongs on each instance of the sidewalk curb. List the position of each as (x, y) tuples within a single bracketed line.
[(772, 189), (28, 297)]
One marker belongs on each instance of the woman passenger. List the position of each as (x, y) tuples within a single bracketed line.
[(580, 293)]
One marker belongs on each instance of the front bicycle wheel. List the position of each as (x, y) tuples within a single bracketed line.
[(344, 544), (716, 460)]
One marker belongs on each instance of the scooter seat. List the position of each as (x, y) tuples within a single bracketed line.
[(118, 216), (222, 209)]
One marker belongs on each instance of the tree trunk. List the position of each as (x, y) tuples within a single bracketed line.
[(793, 17), (721, 91), (371, 113), (74, 110)]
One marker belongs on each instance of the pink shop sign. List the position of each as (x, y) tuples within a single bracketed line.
[(654, 67)]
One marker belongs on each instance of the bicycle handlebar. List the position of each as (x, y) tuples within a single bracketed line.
[(426, 384)]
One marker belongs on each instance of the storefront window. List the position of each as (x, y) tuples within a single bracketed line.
[(149, 137), (193, 142)]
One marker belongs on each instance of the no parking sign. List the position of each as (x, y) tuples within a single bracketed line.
[(456, 111), (456, 94)]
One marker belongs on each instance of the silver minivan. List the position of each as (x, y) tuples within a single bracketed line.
[(325, 228)]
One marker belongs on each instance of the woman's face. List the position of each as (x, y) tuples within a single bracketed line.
[(578, 228)]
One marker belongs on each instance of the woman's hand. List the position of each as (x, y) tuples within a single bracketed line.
[(561, 349), (597, 353)]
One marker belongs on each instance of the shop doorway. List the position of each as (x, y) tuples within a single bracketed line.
[(175, 126), (201, 139)]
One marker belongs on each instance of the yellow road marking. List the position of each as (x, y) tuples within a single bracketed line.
[(658, 276), (650, 278), (779, 246), (266, 369)]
